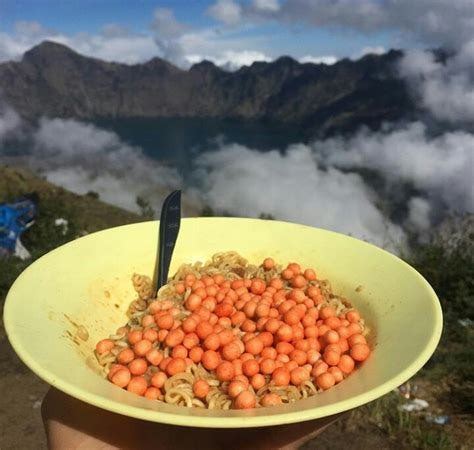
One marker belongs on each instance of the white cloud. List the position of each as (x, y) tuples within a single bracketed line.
[(170, 39), (226, 11), (442, 166), (440, 169), (326, 59), (418, 63), (445, 90), (129, 49), (183, 45), (266, 5), (10, 49), (293, 187), (10, 122), (371, 50), (436, 22), (363, 14), (25, 35), (231, 60), (222, 47), (419, 211), (82, 157), (112, 43), (165, 23), (113, 30), (30, 28), (431, 21), (168, 32)]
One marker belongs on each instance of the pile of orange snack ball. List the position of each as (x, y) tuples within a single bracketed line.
[(237, 343)]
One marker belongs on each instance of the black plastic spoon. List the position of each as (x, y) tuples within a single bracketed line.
[(170, 221)]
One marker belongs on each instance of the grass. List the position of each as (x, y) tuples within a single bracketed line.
[(451, 273), (449, 374), (409, 430)]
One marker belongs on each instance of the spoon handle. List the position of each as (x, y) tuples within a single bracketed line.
[(169, 228)]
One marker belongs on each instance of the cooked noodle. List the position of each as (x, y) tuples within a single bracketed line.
[(178, 389)]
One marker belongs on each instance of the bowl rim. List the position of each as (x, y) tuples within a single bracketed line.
[(237, 419)]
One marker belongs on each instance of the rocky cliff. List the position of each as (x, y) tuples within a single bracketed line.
[(55, 81)]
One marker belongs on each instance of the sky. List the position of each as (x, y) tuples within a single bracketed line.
[(232, 32)]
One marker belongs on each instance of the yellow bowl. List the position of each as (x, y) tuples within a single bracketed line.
[(85, 285)]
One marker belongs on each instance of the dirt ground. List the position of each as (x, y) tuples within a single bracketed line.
[(21, 427), (21, 393)]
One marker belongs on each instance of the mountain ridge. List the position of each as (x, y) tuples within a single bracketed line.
[(55, 81)]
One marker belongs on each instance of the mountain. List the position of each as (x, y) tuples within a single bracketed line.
[(55, 81)]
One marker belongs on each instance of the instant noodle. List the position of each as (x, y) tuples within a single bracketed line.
[(228, 334)]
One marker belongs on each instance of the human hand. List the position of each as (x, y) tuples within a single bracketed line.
[(72, 425)]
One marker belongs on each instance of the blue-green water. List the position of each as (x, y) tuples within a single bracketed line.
[(178, 141)]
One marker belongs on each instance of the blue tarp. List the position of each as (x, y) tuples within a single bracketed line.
[(15, 218)]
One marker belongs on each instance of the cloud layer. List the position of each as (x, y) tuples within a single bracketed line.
[(293, 187), (226, 11), (434, 22), (10, 122), (167, 38), (444, 89), (324, 184), (231, 60), (441, 167), (82, 158)]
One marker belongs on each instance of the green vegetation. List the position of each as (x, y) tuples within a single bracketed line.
[(207, 211), (407, 429), (146, 211), (447, 378), (93, 194), (451, 273)]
